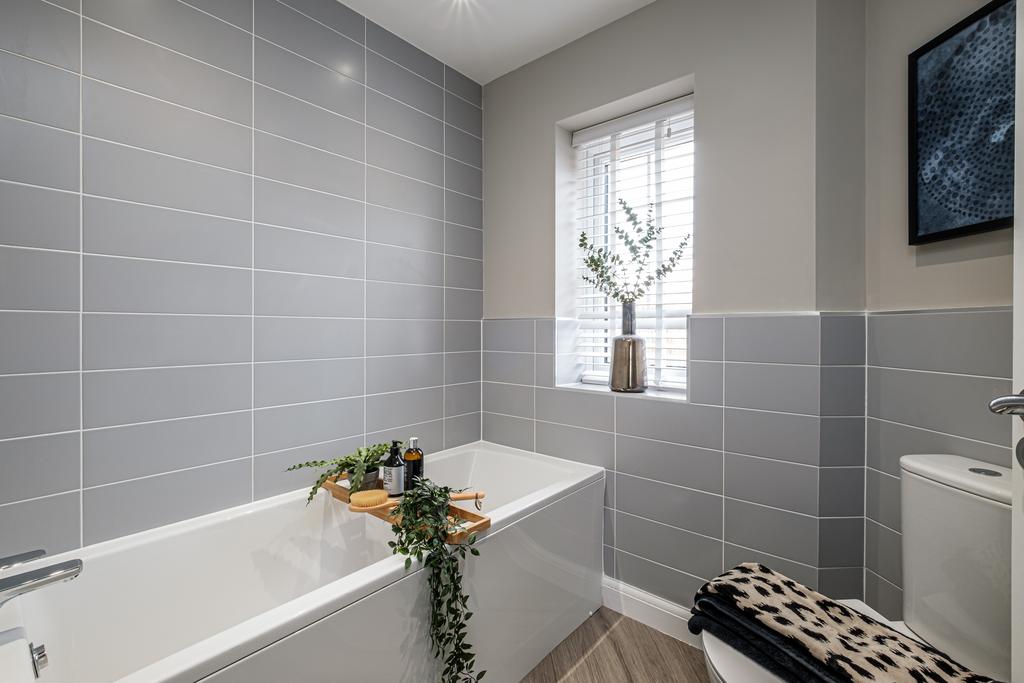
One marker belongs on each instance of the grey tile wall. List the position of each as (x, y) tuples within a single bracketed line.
[(930, 377), (786, 450), (764, 461), (236, 235)]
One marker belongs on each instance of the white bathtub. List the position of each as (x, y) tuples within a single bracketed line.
[(276, 591)]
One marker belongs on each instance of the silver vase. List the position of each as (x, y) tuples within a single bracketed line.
[(629, 356)]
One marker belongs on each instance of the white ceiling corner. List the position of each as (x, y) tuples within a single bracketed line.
[(485, 39)]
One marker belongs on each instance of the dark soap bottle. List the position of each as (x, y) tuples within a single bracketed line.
[(413, 463)]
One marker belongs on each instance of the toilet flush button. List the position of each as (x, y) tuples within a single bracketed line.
[(984, 472)]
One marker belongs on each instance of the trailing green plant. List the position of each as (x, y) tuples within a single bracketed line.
[(356, 464), (627, 280), (421, 531)]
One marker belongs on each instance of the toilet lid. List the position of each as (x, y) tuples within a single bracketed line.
[(732, 667)]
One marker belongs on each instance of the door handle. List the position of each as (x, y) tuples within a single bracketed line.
[(1008, 405)]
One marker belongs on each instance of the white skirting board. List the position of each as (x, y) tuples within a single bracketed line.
[(648, 609)]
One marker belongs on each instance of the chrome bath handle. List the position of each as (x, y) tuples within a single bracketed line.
[(21, 558), (1008, 405), (26, 582)]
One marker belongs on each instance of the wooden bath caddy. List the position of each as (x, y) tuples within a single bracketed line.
[(464, 523)]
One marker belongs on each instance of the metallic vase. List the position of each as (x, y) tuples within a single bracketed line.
[(629, 356)]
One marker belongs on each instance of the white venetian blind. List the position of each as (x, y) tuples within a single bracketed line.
[(646, 159)]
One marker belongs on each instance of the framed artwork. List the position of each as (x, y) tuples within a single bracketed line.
[(961, 116)]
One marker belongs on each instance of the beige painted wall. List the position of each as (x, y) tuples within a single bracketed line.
[(754, 68), (839, 156), (801, 192), (972, 271)]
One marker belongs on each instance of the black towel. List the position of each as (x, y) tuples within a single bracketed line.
[(804, 637)]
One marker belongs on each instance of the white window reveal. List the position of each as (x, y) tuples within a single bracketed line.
[(646, 159)]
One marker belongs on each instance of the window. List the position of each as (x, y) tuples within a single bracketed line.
[(646, 159)]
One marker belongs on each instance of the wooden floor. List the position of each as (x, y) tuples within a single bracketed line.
[(610, 648)]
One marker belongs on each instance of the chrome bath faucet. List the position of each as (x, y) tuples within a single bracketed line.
[(32, 580), (21, 558)]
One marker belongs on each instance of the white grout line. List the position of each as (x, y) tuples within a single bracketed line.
[(244, 315), (65, 432), (30, 58), (886, 474), (381, 244), (187, 3), (174, 471), (307, 445), (252, 275), (615, 485), (164, 47), (884, 526), (670, 526), (81, 288), (480, 375), (19, 183), (864, 459), (933, 431), (77, 372), (240, 268), (119, 200), (328, 27), (533, 389), (231, 218), (665, 566), (939, 372), (781, 557), (38, 124), (444, 267), (53, 495), (166, 155), (882, 578), (817, 469), (176, 105), (723, 434), (365, 249)]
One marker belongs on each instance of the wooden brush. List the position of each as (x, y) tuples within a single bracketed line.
[(371, 499)]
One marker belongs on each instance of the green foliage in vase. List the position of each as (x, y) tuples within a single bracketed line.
[(627, 280), (421, 532), (356, 464)]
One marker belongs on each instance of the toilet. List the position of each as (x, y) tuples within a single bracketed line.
[(956, 569)]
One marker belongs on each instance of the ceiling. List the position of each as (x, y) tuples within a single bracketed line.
[(485, 39)]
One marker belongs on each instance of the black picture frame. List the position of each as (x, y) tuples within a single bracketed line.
[(915, 234)]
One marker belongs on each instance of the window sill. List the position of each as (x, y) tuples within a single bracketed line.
[(650, 394)]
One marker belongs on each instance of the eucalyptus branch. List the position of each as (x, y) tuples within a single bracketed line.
[(629, 281)]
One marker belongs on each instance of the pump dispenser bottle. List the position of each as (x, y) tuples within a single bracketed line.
[(394, 471), (413, 463)]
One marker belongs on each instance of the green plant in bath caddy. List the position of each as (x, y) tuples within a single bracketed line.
[(421, 529), (421, 524), (356, 465), (627, 281)]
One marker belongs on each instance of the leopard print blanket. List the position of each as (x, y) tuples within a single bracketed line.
[(801, 635)]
